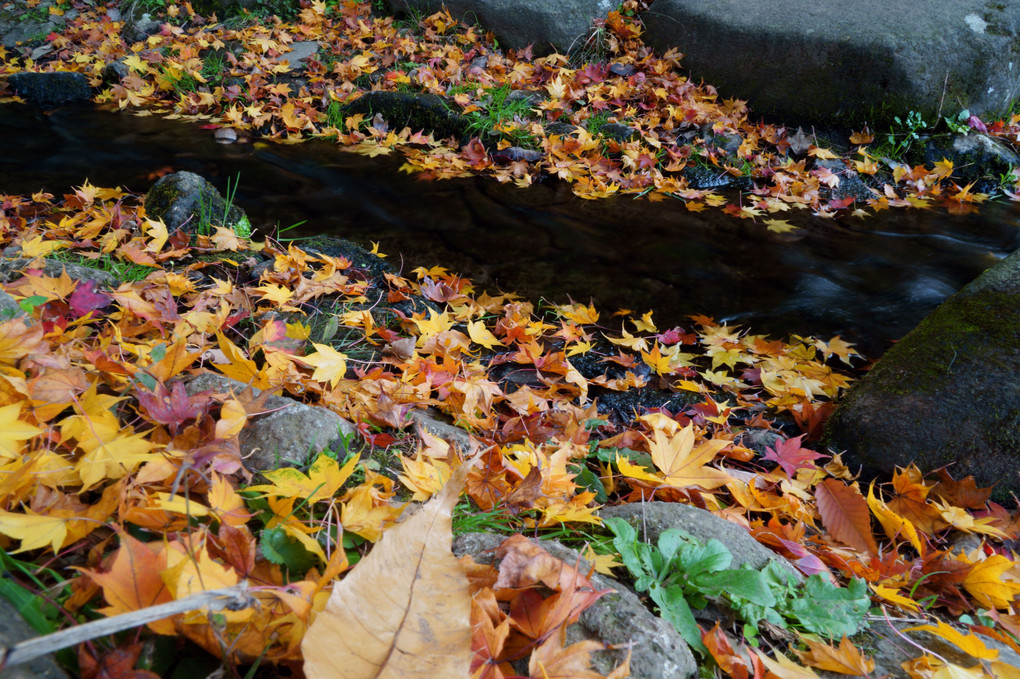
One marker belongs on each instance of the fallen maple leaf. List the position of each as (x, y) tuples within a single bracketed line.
[(845, 515), (405, 610), (790, 456), (847, 659)]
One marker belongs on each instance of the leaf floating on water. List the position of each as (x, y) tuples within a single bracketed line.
[(405, 611)]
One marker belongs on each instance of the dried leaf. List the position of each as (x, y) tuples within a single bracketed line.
[(845, 515), (405, 610)]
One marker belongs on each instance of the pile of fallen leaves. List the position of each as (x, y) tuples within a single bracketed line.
[(636, 124), (122, 489)]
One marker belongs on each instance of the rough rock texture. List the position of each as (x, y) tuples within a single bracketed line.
[(848, 61), (560, 24), (618, 618), (14, 629), (12, 265), (291, 435), (887, 648), (947, 393), (652, 518), (186, 200), (51, 89), (974, 155)]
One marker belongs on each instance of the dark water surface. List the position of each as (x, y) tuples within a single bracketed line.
[(869, 280)]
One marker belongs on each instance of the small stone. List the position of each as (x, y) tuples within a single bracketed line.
[(622, 70), (225, 135)]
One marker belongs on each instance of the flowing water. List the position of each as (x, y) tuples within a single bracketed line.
[(869, 280)]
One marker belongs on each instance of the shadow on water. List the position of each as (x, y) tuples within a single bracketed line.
[(869, 280)]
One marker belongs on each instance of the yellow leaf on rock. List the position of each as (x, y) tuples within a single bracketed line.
[(969, 643), (986, 583), (330, 365), (479, 334), (404, 612)]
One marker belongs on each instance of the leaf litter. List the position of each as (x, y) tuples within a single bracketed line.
[(138, 492)]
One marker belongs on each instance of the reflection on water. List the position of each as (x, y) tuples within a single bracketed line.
[(868, 280)]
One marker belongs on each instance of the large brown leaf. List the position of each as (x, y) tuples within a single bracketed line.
[(405, 610), (845, 515)]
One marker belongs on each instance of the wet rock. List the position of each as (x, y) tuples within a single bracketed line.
[(562, 129), (533, 97), (619, 132), (13, 630), (51, 89), (115, 71), (760, 440), (421, 112), (974, 155), (617, 618), (945, 394), (545, 24), (291, 434), (850, 183), (514, 154), (622, 70), (185, 200), (358, 256), (652, 518), (797, 59), (138, 24)]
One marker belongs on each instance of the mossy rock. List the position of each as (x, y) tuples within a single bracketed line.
[(421, 112), (947, 393), (185, 200)]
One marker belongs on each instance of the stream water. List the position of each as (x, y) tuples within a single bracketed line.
[(869, 280)]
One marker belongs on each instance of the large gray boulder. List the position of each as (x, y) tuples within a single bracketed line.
[(946, 394), (559, 24), (849, 62)]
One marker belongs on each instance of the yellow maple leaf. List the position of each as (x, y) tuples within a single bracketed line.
[(629, 341), (970, 643), (986, 583), (239, 366), (479, 334), (681, 463), (433, 325), (645, 324), (894, 525), (780, 226), (14, 431), (894, 597), (34, 530), (578, 313), (323, 479), (330, 365)]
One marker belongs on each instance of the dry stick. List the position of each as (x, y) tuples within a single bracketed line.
[(234, 598)]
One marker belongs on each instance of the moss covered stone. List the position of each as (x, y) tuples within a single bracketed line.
[(948, 393), (184, 200), (427, 112)]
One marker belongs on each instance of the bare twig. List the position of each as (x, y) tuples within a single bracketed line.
[(234, 598)]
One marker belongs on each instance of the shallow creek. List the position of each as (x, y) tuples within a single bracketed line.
[(869, 280)]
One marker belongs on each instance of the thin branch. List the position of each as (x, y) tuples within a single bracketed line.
[(234, 598)]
